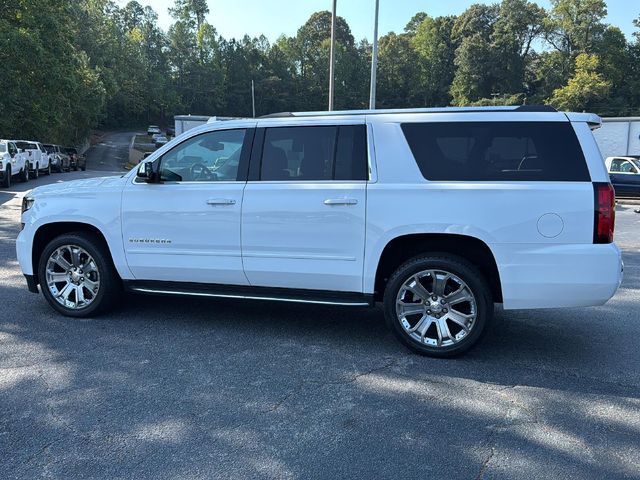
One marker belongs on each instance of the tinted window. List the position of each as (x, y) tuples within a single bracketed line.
[(314, 153), (26, 146), (489, 151), (351, 154), (209, 157), (49, 148)]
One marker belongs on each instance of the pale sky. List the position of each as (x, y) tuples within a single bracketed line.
[(235, 18)]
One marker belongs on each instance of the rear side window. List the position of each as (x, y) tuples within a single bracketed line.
[(493, 151), (314, 153)]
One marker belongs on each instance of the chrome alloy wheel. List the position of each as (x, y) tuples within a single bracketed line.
[(436, 308), (72, 277)]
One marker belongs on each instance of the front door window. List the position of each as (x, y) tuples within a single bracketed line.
[(210, 157)]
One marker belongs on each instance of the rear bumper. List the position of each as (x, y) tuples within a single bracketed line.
[(553, 276)]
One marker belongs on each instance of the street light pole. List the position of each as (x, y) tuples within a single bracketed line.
[(374, 61), (332, 53)]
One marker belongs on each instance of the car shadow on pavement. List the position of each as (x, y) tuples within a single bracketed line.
[(167, 388)]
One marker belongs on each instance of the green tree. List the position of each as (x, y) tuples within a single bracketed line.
[(585, 86), (575, 26), (434, 48), (397, 71)]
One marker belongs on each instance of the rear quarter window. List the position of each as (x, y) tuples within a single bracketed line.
[(494, 151)]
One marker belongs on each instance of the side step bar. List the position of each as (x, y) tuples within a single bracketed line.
[(321, 297)]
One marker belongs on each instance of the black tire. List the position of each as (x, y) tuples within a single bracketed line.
[(48, 170), (24, 174), (36, 172), (6, 182), (466, 272), (110, 284), (83, 168), (75, 168)]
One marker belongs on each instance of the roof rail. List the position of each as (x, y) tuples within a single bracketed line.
[(505, 108)]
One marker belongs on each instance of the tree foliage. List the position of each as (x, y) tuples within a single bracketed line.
[(585, 86), (69, 66)]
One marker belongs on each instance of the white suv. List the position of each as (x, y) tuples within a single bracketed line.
[(12, 163), (437, 213)]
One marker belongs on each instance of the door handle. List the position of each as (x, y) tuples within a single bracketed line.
[(221, 201), (341, 201)]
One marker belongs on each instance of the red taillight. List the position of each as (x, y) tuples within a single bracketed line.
[(605, 213)]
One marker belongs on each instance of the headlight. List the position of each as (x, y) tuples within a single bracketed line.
[(27, 203)]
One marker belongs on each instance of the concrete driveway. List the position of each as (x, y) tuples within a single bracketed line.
[(165, 388)]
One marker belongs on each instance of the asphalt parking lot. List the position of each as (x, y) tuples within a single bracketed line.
[(166, 389)]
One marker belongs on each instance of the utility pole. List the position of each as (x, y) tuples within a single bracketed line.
[(332, 54), (253, 99), (374, 61)]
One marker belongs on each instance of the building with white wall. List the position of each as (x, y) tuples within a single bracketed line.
[(619, 137)]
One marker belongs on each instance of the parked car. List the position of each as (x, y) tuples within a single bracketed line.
[(36, 156), (59, 159), (153, 129), (12, 164), (160, 140), (170, 131), (624, 173), (76, 161), (437, 213)]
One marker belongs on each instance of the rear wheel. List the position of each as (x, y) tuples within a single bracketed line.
[(77, 275), (36, 172), (438, 305), (24, 174), (6, 183), (48, 170)]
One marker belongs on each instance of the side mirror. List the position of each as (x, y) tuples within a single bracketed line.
[(145, 172)]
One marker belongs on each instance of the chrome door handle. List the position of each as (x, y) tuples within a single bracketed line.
[(221, 201), (341, 201)]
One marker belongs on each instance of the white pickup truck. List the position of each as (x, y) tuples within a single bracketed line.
[(437, 213), (37, 157)]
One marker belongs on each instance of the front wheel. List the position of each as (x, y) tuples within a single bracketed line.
[(438, 305), (77, 276)]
